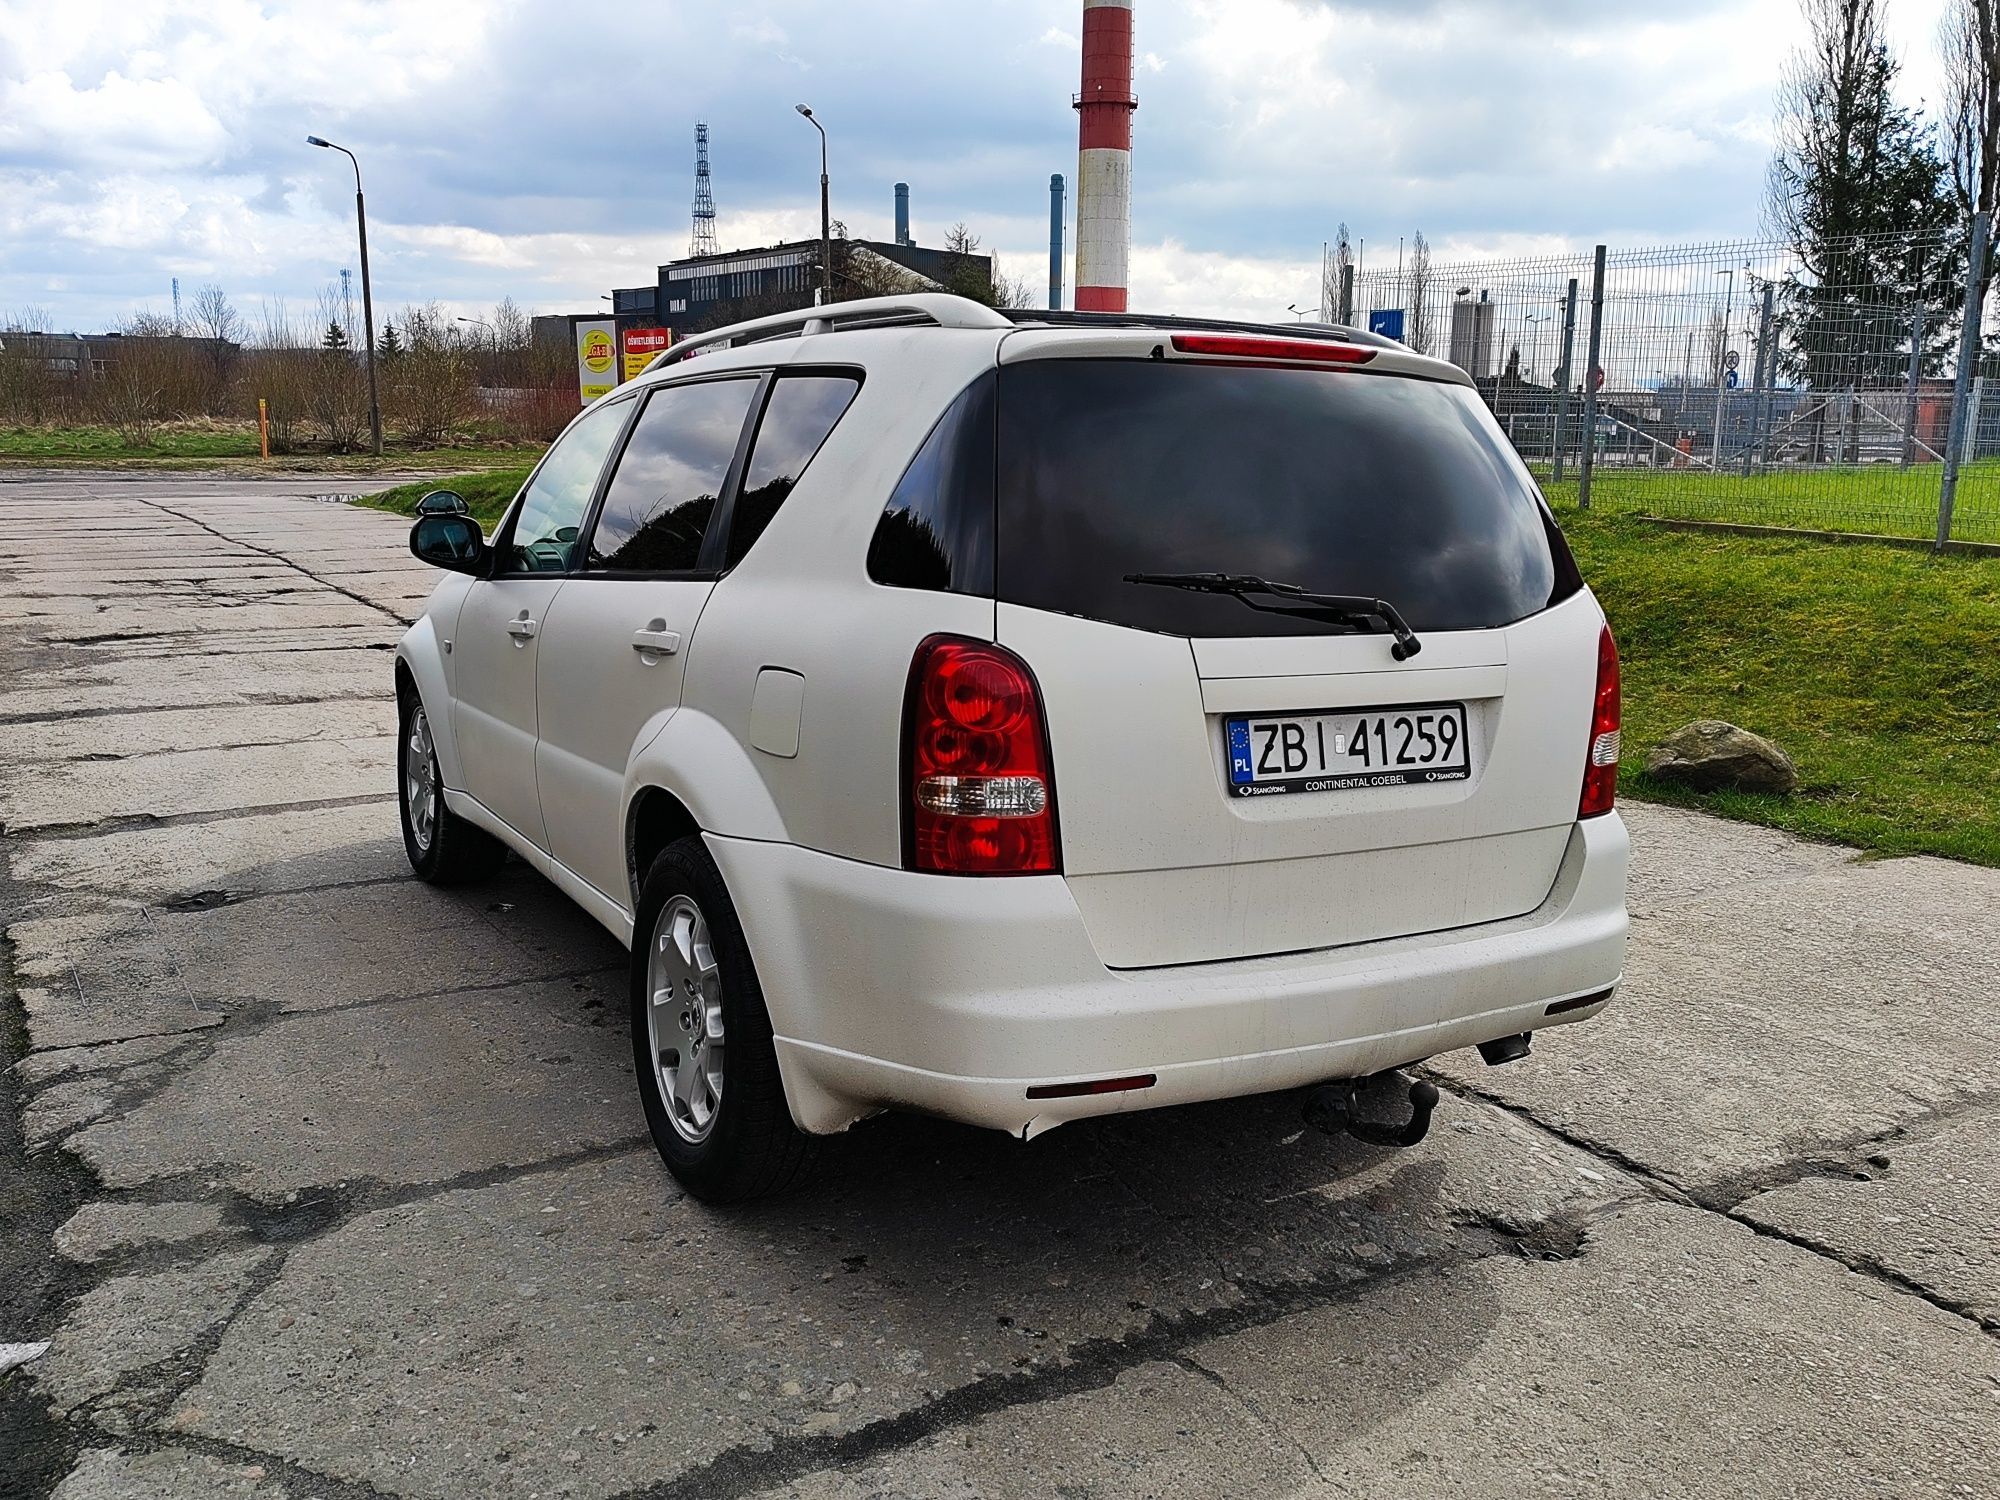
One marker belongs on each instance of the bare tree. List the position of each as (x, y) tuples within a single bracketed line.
[(1417, 321), (211, 315), (1969, 45)]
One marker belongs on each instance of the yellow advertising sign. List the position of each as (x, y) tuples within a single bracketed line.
[(596, 352)]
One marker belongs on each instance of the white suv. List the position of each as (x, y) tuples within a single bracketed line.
[(1024, 716)]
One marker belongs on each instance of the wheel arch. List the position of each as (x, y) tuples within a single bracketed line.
[(420, 674)]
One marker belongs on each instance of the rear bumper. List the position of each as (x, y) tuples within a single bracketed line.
[(955, 996)]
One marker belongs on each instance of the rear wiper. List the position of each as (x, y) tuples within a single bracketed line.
[(1241, 586)]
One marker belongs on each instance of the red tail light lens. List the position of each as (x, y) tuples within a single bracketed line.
[(1600, 771), (1255, 346), (978, 796)]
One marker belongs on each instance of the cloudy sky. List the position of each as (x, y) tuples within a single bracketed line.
[(545, 150)]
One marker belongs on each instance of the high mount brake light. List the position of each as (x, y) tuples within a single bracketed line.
[(1239, 346), (978, 795), (1600, 771)]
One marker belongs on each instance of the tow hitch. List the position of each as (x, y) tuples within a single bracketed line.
[(1385, 1109)]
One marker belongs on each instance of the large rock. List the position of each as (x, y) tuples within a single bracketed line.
[(1709, 755)]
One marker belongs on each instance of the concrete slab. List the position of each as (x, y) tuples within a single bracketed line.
[(1925, 1208), (929, 1261), (102, 977), (168, 1474), (271, 851), (120, 1334), (115, 736), (176, 782), (416, 1091), (1767, 1022), (100, 1230), (177, 682), (95, 976), (1158, 1431)]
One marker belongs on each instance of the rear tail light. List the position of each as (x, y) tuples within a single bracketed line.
[(1600, 771), (978, 796)]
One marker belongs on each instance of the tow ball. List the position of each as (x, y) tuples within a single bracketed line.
[(1384, 1109)]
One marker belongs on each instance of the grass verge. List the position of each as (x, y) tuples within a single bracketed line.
[(211, 446), (1878, 498), (487, 492), (1877, 669)]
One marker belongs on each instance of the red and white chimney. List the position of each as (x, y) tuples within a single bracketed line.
[(1104, 150)]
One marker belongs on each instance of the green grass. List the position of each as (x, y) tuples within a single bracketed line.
[(105, 442), (1876, 668), (228, 446), (487, 493), (1878, 498)]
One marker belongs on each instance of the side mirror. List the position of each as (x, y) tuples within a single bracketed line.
[(453, 541), (443, 503)]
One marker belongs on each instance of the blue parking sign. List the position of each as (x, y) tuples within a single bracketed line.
[(1387, 321)]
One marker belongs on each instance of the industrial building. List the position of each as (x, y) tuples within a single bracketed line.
[(707, 291)]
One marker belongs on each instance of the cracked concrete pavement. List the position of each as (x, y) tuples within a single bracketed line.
[(323, 1183)]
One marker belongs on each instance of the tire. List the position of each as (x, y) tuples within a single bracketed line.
[(443, 848), (707, 1071)]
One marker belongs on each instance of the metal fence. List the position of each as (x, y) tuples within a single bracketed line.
[(1729, 382)]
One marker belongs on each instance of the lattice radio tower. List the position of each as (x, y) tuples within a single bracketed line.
[(704, 201)]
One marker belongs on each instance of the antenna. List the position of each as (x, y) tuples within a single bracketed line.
[(177, 307), (347, 304), (704, 201)]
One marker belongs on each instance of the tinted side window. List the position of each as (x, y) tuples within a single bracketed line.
[(801, 412), (669, 477), (937, 530), (545, 527)]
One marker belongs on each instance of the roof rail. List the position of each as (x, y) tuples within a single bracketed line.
[(934, 309), (1338, 333)]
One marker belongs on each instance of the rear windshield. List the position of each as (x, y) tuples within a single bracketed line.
[(1338, 481)]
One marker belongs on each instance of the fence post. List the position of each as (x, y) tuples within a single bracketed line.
[(1596, 346), (1563, 379), (1910, 386), (1346, 296), (1968, 356), (1767, 377), (1969, 449)]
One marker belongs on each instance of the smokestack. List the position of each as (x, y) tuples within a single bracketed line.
[(903, 214), (1104, 156), (1055, 239)]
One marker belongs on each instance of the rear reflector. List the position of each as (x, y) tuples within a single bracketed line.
[(1093, 1086), (1240, 346)]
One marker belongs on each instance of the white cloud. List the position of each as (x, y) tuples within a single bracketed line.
[(508, 150)]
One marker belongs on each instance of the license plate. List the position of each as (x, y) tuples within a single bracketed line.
[(1360, 747)]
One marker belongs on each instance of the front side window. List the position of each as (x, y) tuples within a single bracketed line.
[(552, 507), (801, 413), (670, 476)]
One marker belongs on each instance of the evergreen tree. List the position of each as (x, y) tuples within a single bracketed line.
[(1859, 190), (392, 343), (334, 338)]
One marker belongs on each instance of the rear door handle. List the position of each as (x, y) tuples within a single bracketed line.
[(522, 628), (656, 641)]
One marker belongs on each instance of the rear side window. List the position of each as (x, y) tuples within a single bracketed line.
[(664, 490), (801, 413), (937, 530), (1338, 481)]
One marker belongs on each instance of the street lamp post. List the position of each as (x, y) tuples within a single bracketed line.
[(367, 295), (825, 219)]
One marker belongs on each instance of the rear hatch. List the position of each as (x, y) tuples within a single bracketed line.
[(1233, 781)]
